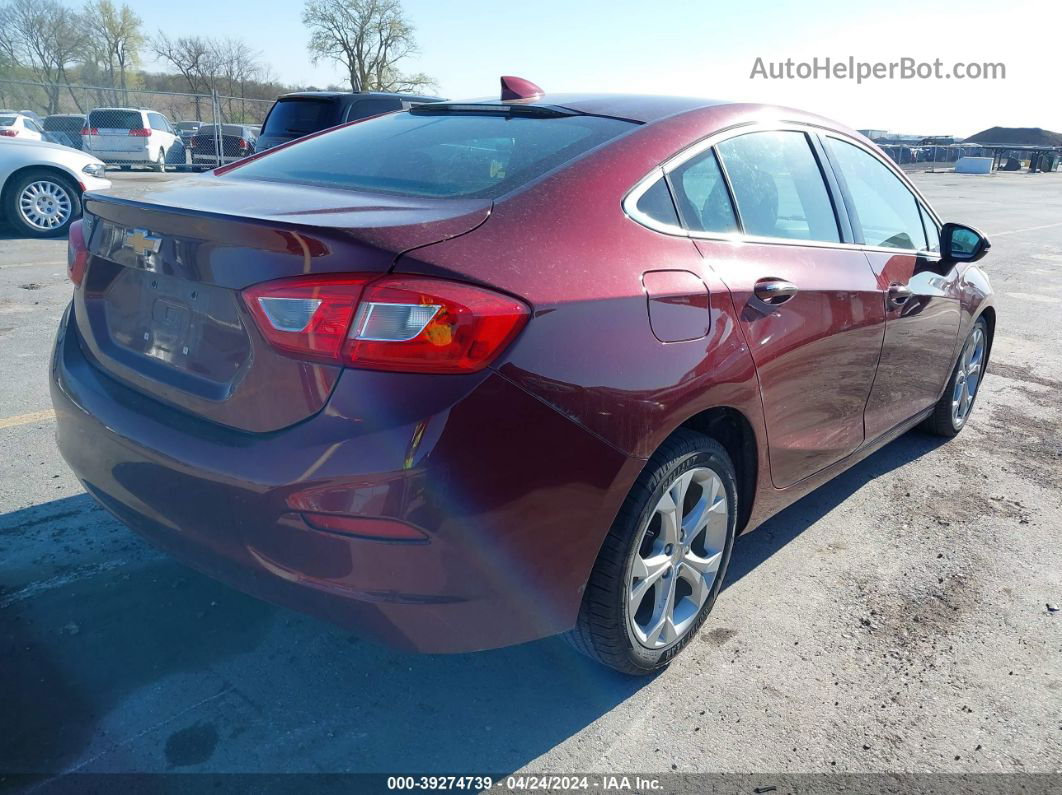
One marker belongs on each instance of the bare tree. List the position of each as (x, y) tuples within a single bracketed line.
[(192, 56), (368, 38), (45, 37), (116, 35)]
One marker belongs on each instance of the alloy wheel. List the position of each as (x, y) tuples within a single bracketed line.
[(677, 560), (968, 377), (45, 205)]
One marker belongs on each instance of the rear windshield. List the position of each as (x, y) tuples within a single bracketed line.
[(297, 116), (116, 119), (188, 125), (453, 155), (226, 129), (67, 123), (7, 121)]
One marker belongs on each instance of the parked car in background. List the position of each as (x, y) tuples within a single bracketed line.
[(65, 128), (21, 126), (186, 129), (41, 185), (31, 114), (237, 141), (129, 136), (295, 115), (475, 373)]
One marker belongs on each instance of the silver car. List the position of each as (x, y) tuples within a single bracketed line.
[(41, 185)]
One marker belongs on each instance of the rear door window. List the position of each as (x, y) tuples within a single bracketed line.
[(886, 210), (297, 116), (778, 186), (444, 155), (702, 196)]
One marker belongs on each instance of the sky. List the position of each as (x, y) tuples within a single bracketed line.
[(704, 49)]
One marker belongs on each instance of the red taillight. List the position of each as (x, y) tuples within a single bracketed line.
[(382, 529), (402, 323), (193, 141), (90, 131), (307, 316), (76, 254), (9, 133), (243, 143), (418, 324), (140, 132)]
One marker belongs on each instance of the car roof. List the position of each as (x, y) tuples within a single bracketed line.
[(636, 107), (649, 108), (358, 94)]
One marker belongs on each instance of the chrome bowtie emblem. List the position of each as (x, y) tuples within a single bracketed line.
[(142, 242)]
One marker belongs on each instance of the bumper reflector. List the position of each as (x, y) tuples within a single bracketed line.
[(362, 527)]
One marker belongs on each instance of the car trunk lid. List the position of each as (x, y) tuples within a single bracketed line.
[(160, 306)]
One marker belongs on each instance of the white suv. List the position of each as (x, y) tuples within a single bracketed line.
[(128, 136)]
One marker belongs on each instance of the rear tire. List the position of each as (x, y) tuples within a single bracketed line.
[(160, 162), (953, 410), (645, 577)]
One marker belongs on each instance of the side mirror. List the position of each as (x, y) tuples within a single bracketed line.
[(960, 243)]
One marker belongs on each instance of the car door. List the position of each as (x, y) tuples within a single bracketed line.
[(808, 303), (922, 301)]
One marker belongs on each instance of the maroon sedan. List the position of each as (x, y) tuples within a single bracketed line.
[(476, 373)]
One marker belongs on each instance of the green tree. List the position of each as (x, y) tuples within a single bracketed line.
[(116, 36)]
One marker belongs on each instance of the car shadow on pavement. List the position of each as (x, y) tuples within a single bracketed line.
[(137, 663), (756, 547), (147, 665)]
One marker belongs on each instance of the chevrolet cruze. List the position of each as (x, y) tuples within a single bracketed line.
[(476, 373)]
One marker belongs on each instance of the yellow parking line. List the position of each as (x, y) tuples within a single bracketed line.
[(26, 419)]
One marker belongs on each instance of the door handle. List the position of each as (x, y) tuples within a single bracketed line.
[(898, 295), (774, 291)]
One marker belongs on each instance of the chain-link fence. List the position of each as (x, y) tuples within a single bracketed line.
[(914, 157), (135, 128)]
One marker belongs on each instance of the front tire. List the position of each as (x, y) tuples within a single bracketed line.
[(956, 404), (663, 562), (42, 204)]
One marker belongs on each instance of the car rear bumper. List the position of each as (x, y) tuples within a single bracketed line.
[(513, 498), (213, 159), (122, 157)]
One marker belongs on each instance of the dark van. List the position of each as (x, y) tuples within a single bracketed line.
[(295, 115)]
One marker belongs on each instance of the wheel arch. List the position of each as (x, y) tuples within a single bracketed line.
[(732, 429), (989, 314)]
